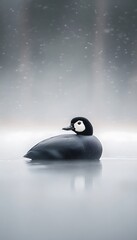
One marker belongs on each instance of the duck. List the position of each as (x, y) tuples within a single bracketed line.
[(82, 144)]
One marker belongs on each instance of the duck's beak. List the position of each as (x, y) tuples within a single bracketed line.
[(68, 128)]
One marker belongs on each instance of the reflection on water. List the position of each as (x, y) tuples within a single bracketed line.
[(73, 200), (40, 200), (79, 174)]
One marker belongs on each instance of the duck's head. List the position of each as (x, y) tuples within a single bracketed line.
[(81, 126)]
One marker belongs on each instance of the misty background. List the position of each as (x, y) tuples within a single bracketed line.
[(61, 59)]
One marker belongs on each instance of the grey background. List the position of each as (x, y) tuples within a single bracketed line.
[(60, 59)]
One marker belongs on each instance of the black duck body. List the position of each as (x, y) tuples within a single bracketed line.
[(67, 146), (82, 145)]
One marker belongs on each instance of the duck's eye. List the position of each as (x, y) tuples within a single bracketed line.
[(79, 123)]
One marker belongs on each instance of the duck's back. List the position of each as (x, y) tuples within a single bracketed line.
[(92, 147), (59, 147), (67, 146)]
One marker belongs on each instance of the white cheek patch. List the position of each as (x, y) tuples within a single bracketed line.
[(79, 126)]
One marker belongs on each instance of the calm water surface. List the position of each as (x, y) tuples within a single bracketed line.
[(79, 200), (65, 200)]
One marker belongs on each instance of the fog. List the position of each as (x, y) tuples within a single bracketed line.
[(61, 59)]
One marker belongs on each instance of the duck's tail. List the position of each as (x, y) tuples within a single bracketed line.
[(32, 155)]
